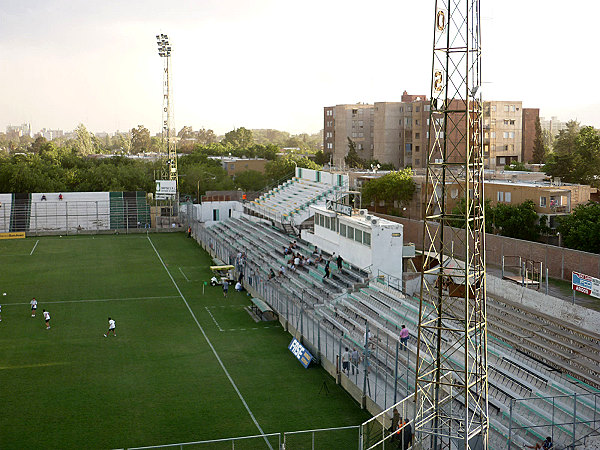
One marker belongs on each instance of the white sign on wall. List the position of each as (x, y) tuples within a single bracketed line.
[(585, 283), (166, 187)]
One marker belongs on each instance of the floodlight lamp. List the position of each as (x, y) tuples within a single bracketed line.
[(475, 90), (158, 37)]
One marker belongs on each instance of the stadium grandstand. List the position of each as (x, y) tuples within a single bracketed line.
[(543, 371)]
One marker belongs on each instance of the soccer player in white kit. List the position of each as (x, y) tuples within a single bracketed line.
[(47, 319), (33, 304), (111, 327)]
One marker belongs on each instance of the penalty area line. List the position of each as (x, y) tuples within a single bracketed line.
[(36, 243), (213, 318), (211, 346), (186, 278)]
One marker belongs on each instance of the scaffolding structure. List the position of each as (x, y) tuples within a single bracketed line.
[(451, 386), (169, 158)]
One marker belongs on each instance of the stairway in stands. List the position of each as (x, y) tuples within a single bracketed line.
[(20, 212)]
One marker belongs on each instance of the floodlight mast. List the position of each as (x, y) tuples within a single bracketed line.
[(168, 163), (452, 374)]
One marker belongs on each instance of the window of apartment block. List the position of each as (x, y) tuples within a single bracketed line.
[(350, 232), (417, 162), (506, 121), (493, 108), (360, 123), (360, 111), (342, 230), (361, 134), (354, 112), (511, 134), (427, 134), (417, 148), (426, 108), (507, 197), (327, 222), (359, 146), (486, 148), (417, 122), (543, 202), (417, 108), (409, 109), (486, 135), (493, 134), (401, 109), (408, 148), (505, 135), (358, 235), (407, 121), (333, 226), (512, 122), (329, 145), (500, 195), (512, 108), (505, 108), (502, 161), (354, 134), (367, 238), (417, 135), (215, 214), (493, 122), (493, 147)]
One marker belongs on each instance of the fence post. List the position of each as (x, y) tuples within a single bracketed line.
[(510, 409), (67, 217), (546, 280), (574, 417), (396, 376)]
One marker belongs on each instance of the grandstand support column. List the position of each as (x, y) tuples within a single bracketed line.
[(451, 386)]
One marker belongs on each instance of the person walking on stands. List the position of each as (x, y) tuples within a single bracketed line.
[(189, 232), (346, 361), (404, 334), (326, 270), (355, 360), (547, 444), (340, 261), (111, 327)]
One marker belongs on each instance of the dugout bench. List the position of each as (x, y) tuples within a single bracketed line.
[(262, 310)]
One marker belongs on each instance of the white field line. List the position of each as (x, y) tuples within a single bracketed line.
[(211, 346), (96, 300), (36, 243), (214, 320), (186, 278)]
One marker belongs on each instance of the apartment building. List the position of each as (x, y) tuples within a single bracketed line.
[(354, 121), (398, 132), (553, 125)]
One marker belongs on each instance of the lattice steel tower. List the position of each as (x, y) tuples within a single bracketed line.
[(168, 161), (452, 373)]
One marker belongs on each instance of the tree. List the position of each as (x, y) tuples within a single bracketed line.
[(250, 180), (124, 142), (322, 158), (140, 139), (517, 166), (83, 140), (576, 155), (283, 168), (36, 146), (352, 159), (460, 210), (394, 187), (539, 148), (519, 222), (205, 137), (239, 138), (580, 230)]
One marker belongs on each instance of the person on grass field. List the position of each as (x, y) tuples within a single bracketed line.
[(47, 319), (33, 304), (111, 327)]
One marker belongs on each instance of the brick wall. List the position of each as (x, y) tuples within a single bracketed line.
[(559, 261)]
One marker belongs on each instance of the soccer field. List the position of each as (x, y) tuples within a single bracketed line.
[(184, 366)]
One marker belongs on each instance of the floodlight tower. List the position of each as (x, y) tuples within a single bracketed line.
[(452, 372), (169, 164)]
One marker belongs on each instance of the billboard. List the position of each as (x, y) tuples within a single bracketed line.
[(587, 284), (166, 187), (300, 353)]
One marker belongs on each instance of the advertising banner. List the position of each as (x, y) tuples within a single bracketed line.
[(300, 353), (587, 284)]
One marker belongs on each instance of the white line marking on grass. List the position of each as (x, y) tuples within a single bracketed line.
[(29, 366), (36, 243), (186, 278), (214, 320), (211, 346), (96, 300)]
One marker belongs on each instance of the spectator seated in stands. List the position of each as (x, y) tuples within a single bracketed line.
[(43, 199), (286, 251), (271, 274), (60, 197), (282, 270), (547, 444), (293, 244), (239, 287)]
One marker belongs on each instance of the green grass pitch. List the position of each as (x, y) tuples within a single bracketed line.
[(158, 381)]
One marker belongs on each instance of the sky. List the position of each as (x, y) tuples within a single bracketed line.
[(274, 63)]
